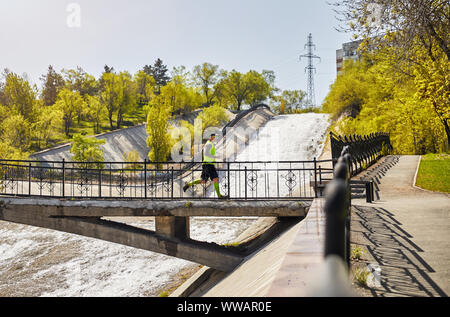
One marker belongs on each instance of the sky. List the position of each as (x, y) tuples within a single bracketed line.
[(128, 34)]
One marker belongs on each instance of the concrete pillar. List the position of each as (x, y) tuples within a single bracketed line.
[(173, 227)]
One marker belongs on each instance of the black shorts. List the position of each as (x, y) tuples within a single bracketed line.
[(209, 172)]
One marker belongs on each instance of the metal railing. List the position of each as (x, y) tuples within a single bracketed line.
[(333, 280), (286, 180), (337, 210), (364, 150)]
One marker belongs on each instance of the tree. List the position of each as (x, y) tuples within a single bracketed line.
[(52, 84), (206, 76), (19, 95), (110, 95), (96, 111), (159, 140), (291, 100), (236, 89), (79, 80), (145, 87), (69, 102), (404, 21), (47, 125), (412, 38), (87, 149), (118, 96), (260, 89), (159, 72), (214, 116), (179, 97), (127, 100), (17, 131)]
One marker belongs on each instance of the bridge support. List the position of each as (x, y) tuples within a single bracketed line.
[(173, 227)]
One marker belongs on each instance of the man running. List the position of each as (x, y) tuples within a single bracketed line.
[(208, 169)]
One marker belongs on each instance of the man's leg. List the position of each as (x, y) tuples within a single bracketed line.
[(193, 183), (216, 187)]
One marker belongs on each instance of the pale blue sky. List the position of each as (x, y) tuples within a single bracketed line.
[(234, 34)]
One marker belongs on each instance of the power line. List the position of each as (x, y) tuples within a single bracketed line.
[(310, 70)]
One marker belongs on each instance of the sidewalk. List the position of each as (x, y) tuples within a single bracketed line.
[(406, 232)]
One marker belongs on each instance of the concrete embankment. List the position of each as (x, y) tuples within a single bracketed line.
[(117, 143)]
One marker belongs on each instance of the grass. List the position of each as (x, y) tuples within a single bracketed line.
[(434, 173), (357, 253), (360, 276)]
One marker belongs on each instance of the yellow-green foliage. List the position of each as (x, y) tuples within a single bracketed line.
[(370, 96), (87, 149), (159, 140), (214, 116)]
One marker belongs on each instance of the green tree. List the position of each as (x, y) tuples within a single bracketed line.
[(118, 96), (159, 72), (52, 84), (17, 131), (19, 95), (145, 87), (87, 149), (206, 76), (48, 124), (159, 140), (236, 89), (96, 111), (69, 102), (409, 37)]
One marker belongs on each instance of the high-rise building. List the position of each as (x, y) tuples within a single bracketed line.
[(349, 51)]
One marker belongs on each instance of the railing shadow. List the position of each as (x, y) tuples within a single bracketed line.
[(377, 172), (403, 271)]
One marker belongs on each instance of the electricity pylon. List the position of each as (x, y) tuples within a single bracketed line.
[(310, 70)]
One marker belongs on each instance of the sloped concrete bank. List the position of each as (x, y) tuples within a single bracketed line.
[(117, 143)]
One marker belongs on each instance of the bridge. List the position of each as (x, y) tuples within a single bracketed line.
[(76, 197)]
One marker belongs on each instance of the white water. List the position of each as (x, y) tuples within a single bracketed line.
[(285, 138), (50, 263)]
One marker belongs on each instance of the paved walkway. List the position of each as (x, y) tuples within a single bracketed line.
[(406, 232)]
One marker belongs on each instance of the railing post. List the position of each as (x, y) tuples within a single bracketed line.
[(29, 179), (145, 178), (172, 184), (63, 178), (245, 184), (228, 179), (100, 182), (315, 178)]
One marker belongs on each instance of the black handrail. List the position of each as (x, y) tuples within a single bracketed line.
[(364, 150), (337, 210)]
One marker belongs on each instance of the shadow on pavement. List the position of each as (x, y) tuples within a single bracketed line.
[(403, 271)]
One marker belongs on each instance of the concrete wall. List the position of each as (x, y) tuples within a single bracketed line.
[(123, 141), (117, 144)]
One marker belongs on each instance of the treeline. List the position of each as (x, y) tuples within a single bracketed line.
[(72, 101), (401, 84)]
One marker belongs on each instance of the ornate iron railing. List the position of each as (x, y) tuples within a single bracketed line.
[(290, 180)]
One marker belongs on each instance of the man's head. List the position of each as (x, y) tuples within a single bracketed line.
[(212, 137)]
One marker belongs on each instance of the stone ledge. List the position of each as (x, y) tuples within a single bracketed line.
[(147, 208)]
